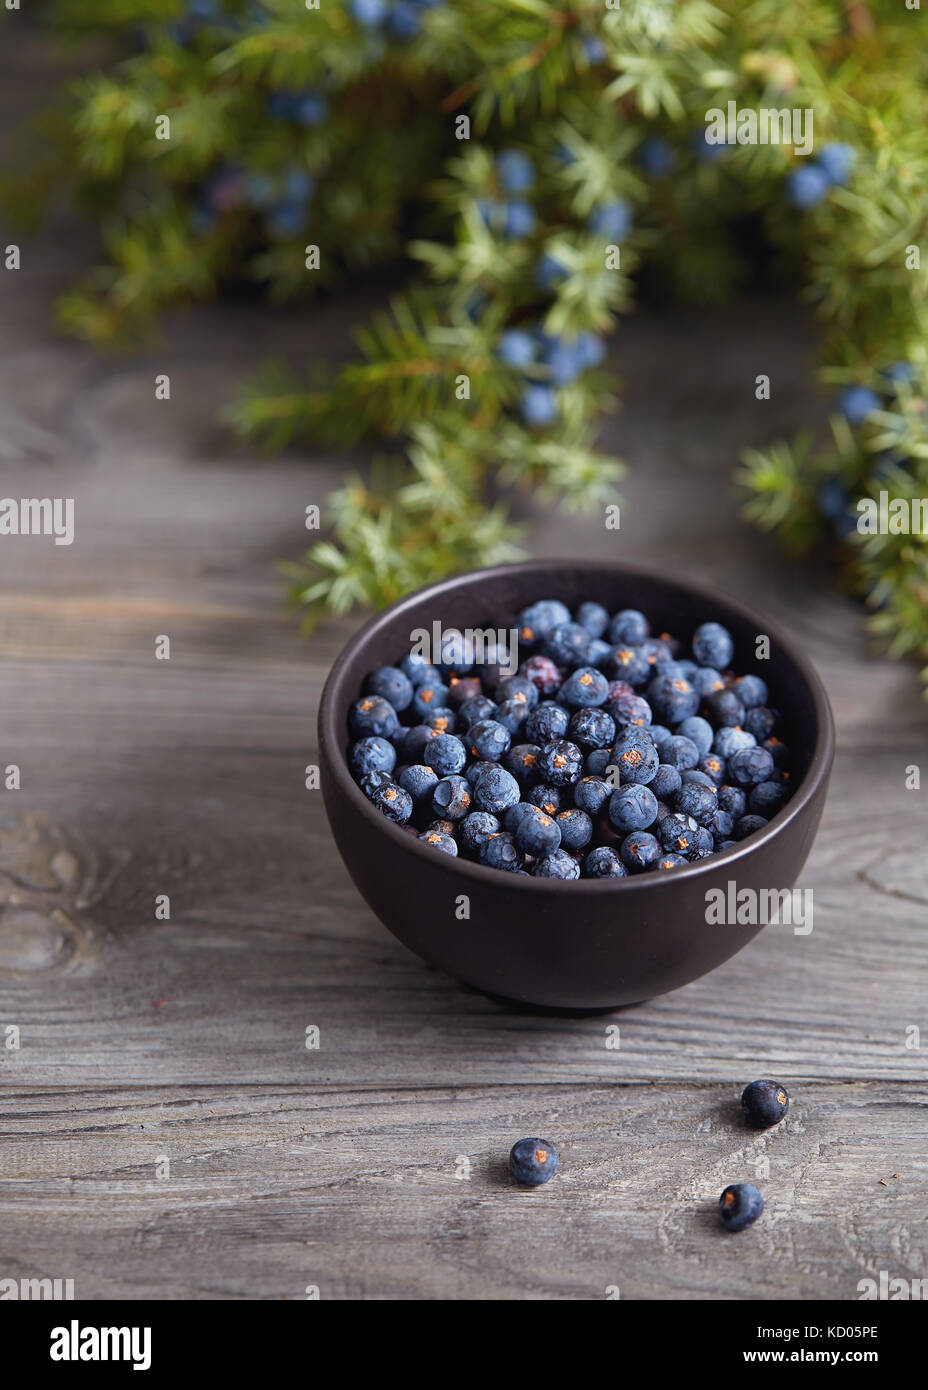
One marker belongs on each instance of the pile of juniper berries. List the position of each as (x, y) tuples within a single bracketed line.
[(611, 751)]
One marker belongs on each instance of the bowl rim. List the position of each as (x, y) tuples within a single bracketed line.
[(331, 738)]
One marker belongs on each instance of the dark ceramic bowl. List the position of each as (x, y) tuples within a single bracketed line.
[(588, 943)]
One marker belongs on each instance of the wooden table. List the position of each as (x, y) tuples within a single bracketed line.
[(166, 1131)]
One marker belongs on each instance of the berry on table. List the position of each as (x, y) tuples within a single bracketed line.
[(739, 1205), (533, 1161), (764, 1103)]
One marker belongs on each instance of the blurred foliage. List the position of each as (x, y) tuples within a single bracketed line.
[(586, 167)]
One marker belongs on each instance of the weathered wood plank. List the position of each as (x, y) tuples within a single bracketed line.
[(267, 936), (272, 1190)]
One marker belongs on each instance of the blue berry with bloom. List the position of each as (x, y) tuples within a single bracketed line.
[(639, 849), (533, 1161), (561, 763), (764, 1103), (576, 828), (547, 722), (856, 403), (489, 740), (515, 171), (751, 691), (837, 160), (420, 781), (666, 782), (518, 220), (585, 688), (538, 834), (594, 617), (591, 728), (568, 644), (807, 186), (501, 852), (403, 20), (475, 830), (495, 789), (451, 799), (557, 865), (537, 620), (373, 716), (368, 13), (603, 862), (393, 802), (439, 840), (712, 646), (549, 272), (591, 795), (629, 627), (612, 220), (655, 157), (391, 684), (372, 754), (740, 1205), (632, 807), (516, 348), (445, 754), (538, 406)]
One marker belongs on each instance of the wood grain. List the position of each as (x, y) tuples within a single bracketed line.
[(405, 1194), (186, 1037)]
